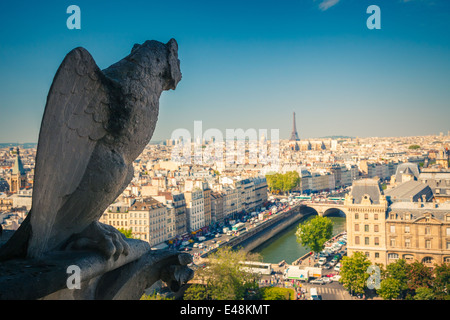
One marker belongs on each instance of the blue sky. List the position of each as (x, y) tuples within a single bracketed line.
[(247, 64)]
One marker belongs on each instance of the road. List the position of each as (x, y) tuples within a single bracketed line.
[(222, 239), (329, 291)]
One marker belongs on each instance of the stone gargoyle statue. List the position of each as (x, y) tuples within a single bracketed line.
[(95, 124)]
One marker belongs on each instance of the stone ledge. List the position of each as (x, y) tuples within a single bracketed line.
[(25, 279)]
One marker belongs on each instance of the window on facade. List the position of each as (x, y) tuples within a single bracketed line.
[(356, 240), (366, 216), (427, 260), (356, 216), (367, 254), (366, 240), (392, 229), (377, 254), (375, 228), (448, 245), (375, 216), (427, 230), (392, 242), (408, 257), (356, 227), (407, 229), (407, 242), (428, 244), (393, 256), (366, 228), (377, 241)]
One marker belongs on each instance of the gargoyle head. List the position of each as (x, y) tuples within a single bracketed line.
[(160, 57)]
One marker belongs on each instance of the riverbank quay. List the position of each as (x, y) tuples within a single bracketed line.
[(254, 235)]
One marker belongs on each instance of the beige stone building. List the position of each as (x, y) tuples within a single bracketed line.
[(418, 231), (217, 204), (365, 209), (386, 232), (117, 215), (148, 220)]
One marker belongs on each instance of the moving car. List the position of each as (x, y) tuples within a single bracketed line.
[(314, 295), (336, 277)]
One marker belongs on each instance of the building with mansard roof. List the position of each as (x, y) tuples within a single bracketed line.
[(386, 230)]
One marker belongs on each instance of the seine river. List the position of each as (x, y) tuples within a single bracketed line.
[(284, 246)]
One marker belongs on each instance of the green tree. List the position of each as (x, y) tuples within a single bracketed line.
[(224, 277), (414, 147), (286, 182), (155, 296), (424, 293), (441, 281), (126, 232), (196, 292), (291, 180), (314, 233), (398, 270), (418, 275), (274, 293), (389, 289), (354, 272)]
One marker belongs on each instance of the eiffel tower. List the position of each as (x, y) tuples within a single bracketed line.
[(294, 134)]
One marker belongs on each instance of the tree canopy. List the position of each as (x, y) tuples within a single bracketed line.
[(354, 273), (314, 233), (224, 278), (279, 182)]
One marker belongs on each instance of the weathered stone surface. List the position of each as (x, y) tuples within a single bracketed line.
[(95, 124), (121, 279)]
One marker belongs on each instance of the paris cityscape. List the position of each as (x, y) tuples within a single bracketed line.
[(306, 159), (200, 208)]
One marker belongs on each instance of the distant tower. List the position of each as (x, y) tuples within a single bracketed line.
[(442, 158), (18, 177), (294, 134)]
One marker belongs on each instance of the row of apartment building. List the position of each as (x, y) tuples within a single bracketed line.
[(173, 214), (338, 175)]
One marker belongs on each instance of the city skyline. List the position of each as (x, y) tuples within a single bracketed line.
[(249, 65)]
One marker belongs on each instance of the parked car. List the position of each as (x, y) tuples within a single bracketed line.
[(317, 281), (328, 265), (322, 261), (337, 267)]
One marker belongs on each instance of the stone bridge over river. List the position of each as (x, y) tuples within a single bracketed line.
[(326, 208)]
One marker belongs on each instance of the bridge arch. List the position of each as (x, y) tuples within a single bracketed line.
[(309, 211), (334, 212), (322, 210)]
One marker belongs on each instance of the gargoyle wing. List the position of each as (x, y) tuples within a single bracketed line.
[(75, 118)]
